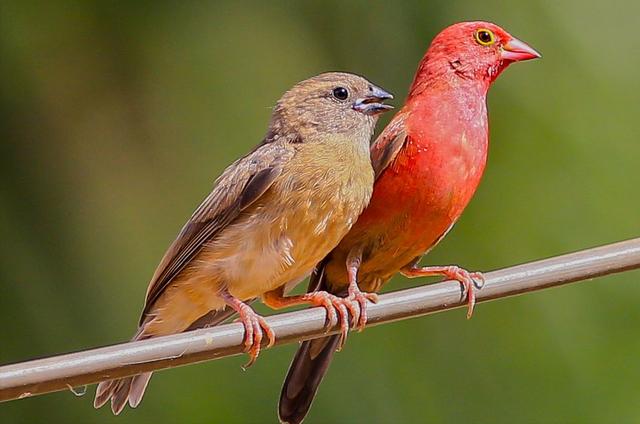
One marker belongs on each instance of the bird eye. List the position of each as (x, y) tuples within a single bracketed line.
[(340, 93), (485, 37)]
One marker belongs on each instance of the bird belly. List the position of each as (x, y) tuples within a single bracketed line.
[(268, 248), (415, 203), (277, 240)]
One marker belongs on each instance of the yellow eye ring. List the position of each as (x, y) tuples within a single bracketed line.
[(485, 37)]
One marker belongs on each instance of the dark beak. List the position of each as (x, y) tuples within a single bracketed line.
[(372, 103)]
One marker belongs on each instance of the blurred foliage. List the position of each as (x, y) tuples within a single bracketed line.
[(117, 116)]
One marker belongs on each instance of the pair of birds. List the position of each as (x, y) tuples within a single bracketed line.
[(315, 198)]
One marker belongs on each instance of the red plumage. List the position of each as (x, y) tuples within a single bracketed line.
[(428, 161)]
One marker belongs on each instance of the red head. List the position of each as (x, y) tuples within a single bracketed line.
[(471, 51)]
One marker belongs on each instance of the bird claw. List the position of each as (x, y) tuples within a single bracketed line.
[(358, 297), (470, 282), (255, 327), (337, 309)]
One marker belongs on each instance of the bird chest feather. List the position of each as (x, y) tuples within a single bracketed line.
[(304, 214)]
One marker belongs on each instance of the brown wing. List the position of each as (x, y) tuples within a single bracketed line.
[(241, 184), (388, 143)]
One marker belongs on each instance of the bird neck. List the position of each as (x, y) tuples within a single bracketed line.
[(435, 79), (453, 100), (451, 119)]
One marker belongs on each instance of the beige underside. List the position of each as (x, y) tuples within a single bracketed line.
[(278, 240)]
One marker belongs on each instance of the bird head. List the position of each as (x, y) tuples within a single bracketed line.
[(477, 51), (331, 103)]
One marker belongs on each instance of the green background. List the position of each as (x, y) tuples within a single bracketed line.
[(117, 116)]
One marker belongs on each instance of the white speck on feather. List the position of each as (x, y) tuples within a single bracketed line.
[(322, 225), (286, 244)]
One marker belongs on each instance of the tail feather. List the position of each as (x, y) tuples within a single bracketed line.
[(120, 392), (131, 389), (307, 369), (309, 365), (103, 393), (138, 386), (120, 395)]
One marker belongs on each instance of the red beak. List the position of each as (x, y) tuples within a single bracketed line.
[(516, 50)]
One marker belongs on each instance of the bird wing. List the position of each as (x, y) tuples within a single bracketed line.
[(388, 144), (241, 184)]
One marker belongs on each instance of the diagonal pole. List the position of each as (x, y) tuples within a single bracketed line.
[(63, 372)]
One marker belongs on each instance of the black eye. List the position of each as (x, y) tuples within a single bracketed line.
[(485, 37), (340, 93)]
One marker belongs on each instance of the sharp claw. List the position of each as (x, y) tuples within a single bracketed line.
[(254, 351), (469, 281), (257, 334), (471, 296), (353, 311), (255, 328), (344, 326), (271, 336), (248, 335), (362, 319), (329, 323), (332, 316), (337, 309), (341, 343), (478, 279), (360, 316), (253, 355)]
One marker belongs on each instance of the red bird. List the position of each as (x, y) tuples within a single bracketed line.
[(428, 163)]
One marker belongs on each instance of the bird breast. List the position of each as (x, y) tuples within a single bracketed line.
[(294, 225)]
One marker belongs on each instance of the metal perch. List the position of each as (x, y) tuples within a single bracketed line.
[(64, 372)]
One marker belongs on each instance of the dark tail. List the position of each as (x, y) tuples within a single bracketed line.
[(131, 389), (305, 374), (309, 365)]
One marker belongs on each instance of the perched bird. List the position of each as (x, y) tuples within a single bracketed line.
[(428, 163), (272, 215)]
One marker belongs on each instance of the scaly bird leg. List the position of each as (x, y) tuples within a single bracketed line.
[(470, 281), (337, 308), (254, 325), (355, 294)]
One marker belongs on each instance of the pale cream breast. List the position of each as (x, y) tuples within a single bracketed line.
[(303, 216), (278, 239)]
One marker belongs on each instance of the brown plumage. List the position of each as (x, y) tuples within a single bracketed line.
[(272, 215)]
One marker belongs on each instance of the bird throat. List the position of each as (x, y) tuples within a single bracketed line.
[(449, 143)]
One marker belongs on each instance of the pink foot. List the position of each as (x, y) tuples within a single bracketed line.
[(361, 298), (355, 294), (470, 281), (337, 308), (255, 327)]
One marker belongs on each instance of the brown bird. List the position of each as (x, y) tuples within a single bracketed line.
[(272, 215), (428, 163)]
